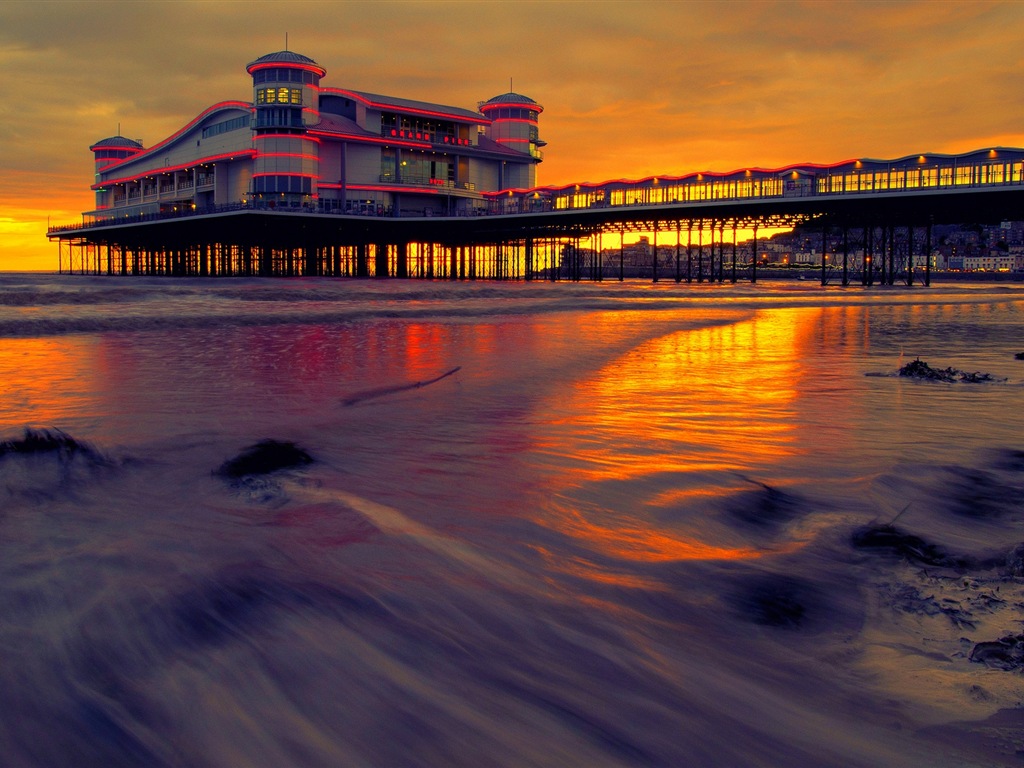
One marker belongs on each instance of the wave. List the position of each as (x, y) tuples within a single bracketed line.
[(61, 305)]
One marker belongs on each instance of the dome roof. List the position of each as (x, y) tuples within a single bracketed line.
[(511, 98), (116, 142), (285, 58)]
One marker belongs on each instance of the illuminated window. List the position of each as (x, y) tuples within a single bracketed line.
[(279, 95)]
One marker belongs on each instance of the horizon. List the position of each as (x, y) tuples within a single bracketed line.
[(755, 87)]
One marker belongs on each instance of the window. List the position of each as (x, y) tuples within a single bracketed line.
[(514, 113), (279, 95), (228, 125), (288, 117)]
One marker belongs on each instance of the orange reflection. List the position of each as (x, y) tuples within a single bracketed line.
[(46, 382), (668, 426), (712, 398), (632, 541)]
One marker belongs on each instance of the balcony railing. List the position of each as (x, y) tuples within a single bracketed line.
[(416, 180)]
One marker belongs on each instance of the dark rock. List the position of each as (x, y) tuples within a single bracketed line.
[(975, 377), (918, 369), (1005, 653), (263, 458), (1019, 356), (889, 539), (47, 441), (1015, 562)]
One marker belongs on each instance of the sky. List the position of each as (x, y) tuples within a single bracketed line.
[(629, 89)]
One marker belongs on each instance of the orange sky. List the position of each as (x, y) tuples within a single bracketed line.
[(629, 89)]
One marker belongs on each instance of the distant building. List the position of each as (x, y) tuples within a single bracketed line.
[(994, 260), (298, 144)]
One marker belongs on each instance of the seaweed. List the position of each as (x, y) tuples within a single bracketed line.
[(919, 369)]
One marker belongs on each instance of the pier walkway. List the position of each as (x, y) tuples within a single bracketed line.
[(874, 219)]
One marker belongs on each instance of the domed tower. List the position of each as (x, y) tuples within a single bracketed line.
[(107, 151), (286, 100), (514, 126)]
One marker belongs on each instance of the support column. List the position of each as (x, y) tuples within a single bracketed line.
[(892, 254), (910, 255), (679, 276), (402, 260), (622, 254), (928, 255), (721, 252), (824, 254), (733, 278), (689, 251), (362, 260), (654, 253), (846, 255), (700, 251), (753, 261)]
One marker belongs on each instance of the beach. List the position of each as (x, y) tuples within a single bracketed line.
[(509, 524)]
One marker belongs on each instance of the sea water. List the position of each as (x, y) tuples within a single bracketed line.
[(615, 524)]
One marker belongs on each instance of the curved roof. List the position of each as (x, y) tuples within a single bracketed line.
[(116, 142), (511, 98), (285, 58)]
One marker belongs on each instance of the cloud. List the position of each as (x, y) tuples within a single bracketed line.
[(629, 89)]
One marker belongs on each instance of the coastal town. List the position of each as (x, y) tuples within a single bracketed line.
[(971, 248)]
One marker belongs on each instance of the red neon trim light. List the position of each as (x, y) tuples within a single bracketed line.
[(395, 188), (298, 136), (319, 71), (288, 154), (219, 107), (511, 104), (515, 120), (283, 173), (374, 140), (172, 168), (404, 109)]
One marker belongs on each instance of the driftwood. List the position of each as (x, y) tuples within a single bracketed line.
[(371, 394)]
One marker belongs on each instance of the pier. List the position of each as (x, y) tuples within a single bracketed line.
[(874, 219)]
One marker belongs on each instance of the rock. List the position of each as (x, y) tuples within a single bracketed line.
[(1005, 653), (263, 458), (975, 377), (888, 538), (1015, 562), (38, 441), (918, 369)]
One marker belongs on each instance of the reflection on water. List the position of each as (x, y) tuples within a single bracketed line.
[(48, 381), (618, 535), (681, 415)]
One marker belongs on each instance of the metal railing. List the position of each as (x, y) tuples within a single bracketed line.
[(955, 175)]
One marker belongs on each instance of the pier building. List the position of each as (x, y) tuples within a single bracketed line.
[(302, 145), (307, 179)]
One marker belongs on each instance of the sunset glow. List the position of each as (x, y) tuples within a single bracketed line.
[(629, 91)]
